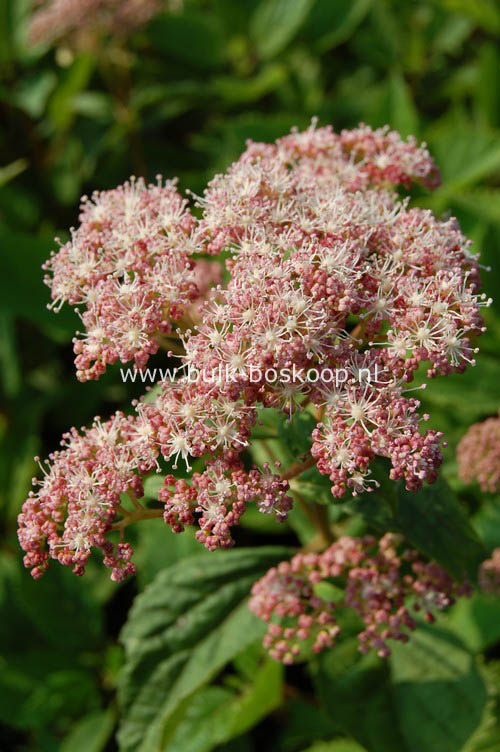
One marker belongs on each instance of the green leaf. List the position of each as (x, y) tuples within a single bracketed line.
[(403, 113), (476, 621), (158, 547), (328, 592), (434, 522), (91, 734), (203, 725), (275, 23), (439, 696), (216, 715), (357, 694), (305, 722), (313, 486), (73, 82), (480, 384), (472, 155), (481, 202), (296, 433), (487, 522), (237, 90), (190, 622), (431, 520), (34, 91), (486, 13), (260, 698), (486, 91), (337, 745), (152, 485), (192, 38), (22, 291), (428, 696), (12, 170), (487, 737), (331, 23)]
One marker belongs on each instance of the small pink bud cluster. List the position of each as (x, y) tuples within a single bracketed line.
[(128, 265), (374, 579), (220, 496), (478, 455), (79, 497), (81, 20)]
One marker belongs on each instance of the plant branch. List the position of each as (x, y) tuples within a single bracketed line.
[(298, 468), (140, 514)]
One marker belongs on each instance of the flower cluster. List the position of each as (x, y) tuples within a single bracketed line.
[(128, 266), (220, 495), (79, 496), (329, 270), (82, 18), (374, 579), (80, 500), (478, 455)]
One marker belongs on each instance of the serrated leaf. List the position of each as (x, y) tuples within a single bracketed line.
[(182, 630), (276, 22)]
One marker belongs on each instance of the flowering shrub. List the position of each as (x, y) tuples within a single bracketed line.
[(330, 271)]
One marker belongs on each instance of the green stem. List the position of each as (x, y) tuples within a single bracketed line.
[(139, 514)]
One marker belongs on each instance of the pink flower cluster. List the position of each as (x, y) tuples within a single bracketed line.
[(329, 270), (374, 579), (79, 496), (128, 266), (478, 455), (220, 496), (80, 500), (83, 18)]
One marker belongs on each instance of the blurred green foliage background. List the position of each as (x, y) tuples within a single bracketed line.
[(180, 97)]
